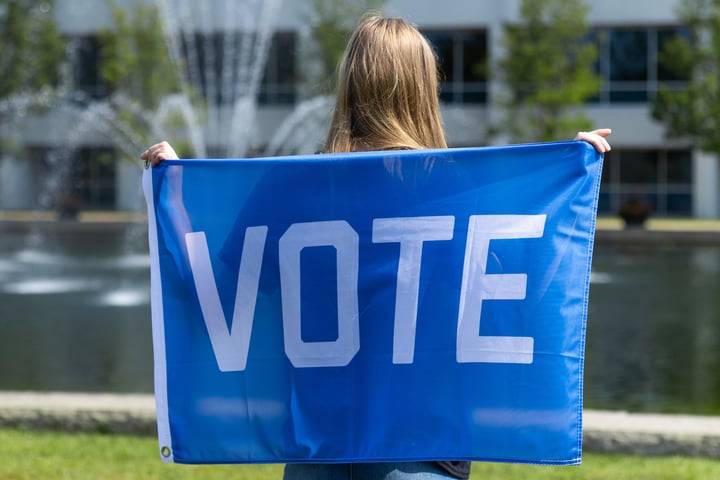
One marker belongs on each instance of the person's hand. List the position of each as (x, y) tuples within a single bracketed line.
[(596, 138), (158, 152)]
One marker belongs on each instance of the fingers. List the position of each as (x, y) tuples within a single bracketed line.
[(593, 140), (603, 132), (158, 152), (607, 144), (597, 139), (147, 154)]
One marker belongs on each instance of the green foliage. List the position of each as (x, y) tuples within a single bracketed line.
[(331, 26), (32, 53), (548, 69), (31, 48), (134, 56), (135, 62), (694, 111)]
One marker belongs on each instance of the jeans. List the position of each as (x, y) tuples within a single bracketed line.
[(362, 471)]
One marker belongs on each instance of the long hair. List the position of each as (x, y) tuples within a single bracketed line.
[(387, 93)]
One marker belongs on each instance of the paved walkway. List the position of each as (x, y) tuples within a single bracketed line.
[(605, 431), (651, 434), (89, 216), (664, 224), (85, 412), (604, 223), (610, 230)]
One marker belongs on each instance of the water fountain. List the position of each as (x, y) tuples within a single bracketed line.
[(78, 292), (219, 49)]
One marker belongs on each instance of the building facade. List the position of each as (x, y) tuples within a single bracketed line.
[(675, 178)]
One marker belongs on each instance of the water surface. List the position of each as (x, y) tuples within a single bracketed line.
[(74, 316)]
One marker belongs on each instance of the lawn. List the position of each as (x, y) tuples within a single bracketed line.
[(34, 455)]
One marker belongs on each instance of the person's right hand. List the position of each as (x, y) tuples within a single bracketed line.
[(158, 152)]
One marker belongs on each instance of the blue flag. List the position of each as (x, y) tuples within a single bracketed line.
[(381, 306)]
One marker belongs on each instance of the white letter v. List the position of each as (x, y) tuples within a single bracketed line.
[(230, 346)]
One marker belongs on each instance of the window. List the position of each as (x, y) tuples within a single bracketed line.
[(462, 56), (206, 54), (639, 167), (92, 179), (86, 66), (278, 82), (665, 75), (628, 62), (662, 178), (628, 68)]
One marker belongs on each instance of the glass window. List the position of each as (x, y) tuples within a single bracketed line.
[(474, 47), (278, 82), (628, 62), (628, 55), (462, 61), (604, 202), (639, 166), (86, 66), (442, 43), (662, 178), (679, 166), (679, 204), (608, 167), (92, 179), (628, 65), (279, 76), (664, 35), (192, 47), (597, 37), (474, 56)]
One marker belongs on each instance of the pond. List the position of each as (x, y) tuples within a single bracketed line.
[(75, 316)]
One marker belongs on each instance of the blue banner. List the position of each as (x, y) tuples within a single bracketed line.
[(381, 306)]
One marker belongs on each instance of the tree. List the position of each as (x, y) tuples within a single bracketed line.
[(134, 56), (548, 69), (32, 51), (331, 25), (135, 63), (693, 111), (32, 48)]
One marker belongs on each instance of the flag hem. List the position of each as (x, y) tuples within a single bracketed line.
[(158, 326)]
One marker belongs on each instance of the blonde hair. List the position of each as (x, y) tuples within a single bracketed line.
[(387, 94)]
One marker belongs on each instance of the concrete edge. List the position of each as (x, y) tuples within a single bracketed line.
[(603, 235), (651, 444), (604, 431), (657, 237)]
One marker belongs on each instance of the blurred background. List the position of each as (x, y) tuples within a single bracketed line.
[(86, 85)]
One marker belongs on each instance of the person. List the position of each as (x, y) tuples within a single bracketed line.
[(387, 99)]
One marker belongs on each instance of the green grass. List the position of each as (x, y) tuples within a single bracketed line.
[(46, 455)]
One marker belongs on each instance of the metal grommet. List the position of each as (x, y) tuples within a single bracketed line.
[(165, 452)]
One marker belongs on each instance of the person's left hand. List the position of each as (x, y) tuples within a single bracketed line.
[(596, 138), (157, 153)]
